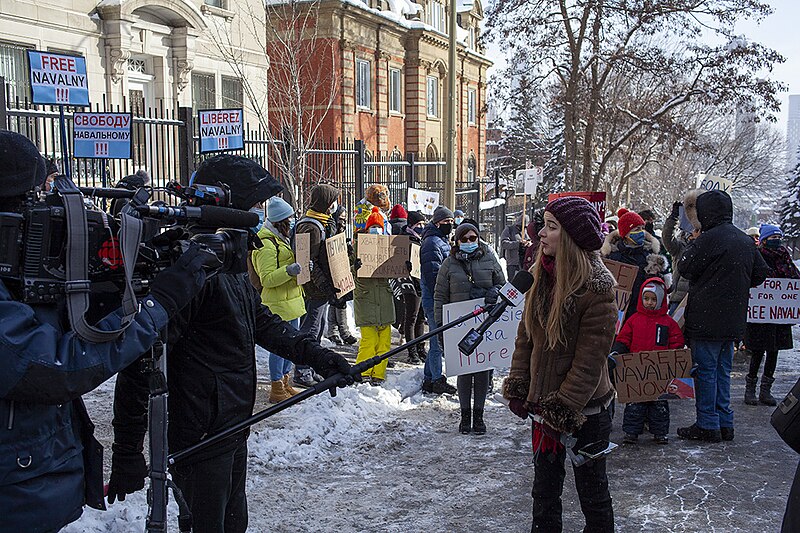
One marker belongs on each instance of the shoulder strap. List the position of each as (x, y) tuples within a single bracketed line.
[(316, 222), (277, 250)]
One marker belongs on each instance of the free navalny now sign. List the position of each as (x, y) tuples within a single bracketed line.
[(58, 79), (221, 130)]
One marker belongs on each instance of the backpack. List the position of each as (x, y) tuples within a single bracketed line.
[(786, 418)]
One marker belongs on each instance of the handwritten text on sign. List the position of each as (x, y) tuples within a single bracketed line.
[(416, 271), (597, 199), (644, 376), (625, 275), (302, 252), (714, 183), (102, 135), (58, 79), (383, 256), (339, 264), (221, 130), (776, 301), (498, 342)]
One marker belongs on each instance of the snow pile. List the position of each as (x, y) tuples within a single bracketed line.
[(128, 516)]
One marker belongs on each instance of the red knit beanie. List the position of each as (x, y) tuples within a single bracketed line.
[(579, 219), (375, 219), (398, 211), (627, 221)]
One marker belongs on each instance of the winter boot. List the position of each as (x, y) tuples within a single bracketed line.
[(349, 339), (695, 432), (336, 339), (750, 390), (288, 388), (765, 394), (441, 386), (278, 393), (465, 426), (478, 427)]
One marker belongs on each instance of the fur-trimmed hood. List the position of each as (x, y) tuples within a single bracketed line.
[(690, 206), (613, 240)]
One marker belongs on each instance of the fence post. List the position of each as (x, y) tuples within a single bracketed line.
[(412, 169), (3, 105), (186, 153), (359, 168)]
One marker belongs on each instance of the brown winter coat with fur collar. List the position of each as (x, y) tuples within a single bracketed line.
[(559, 384)]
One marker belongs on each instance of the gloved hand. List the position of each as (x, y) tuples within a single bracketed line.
[(175, 286), (128, 472), (491, 296), (409, 266), (358, 264), (327, 362), (676, 210), (517, 407), (294, 269)]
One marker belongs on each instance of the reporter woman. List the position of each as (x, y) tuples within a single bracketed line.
[(558, 369)]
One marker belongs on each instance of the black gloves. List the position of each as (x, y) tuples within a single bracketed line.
[(676, 210), (409, 266), (175, 286), (128, 472), (491, 296), (328, 363), (357, 264)]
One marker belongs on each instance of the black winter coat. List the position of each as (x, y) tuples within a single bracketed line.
[(722, 264), (210, 367)]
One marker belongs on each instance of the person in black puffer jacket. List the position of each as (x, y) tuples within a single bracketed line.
[(411, 319)]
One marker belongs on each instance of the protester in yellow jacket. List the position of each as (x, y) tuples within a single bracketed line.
[(277, 271)]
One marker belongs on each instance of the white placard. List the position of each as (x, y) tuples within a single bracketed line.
[(776, 301), (425, 202), (498, 342), (714, 183), (527, 180)]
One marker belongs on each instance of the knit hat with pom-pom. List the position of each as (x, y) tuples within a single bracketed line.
[(627, 221)]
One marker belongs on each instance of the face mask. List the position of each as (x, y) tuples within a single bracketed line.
[(446, 229), (260, 212), (637, 237), (291, 224), (468, 247), (773, 244), (459, 220), (332, 209), (375, 230)]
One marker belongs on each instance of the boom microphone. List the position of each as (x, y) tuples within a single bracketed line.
[(207, 215), (513, 294)]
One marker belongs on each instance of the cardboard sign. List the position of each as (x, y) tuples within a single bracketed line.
[(302, 254), (221, 130), (416, 270), (776, 301), (597, 199), (102, 135), (644, 376), (625, 275), (498, 342), (425, 202), (714, 183), (339, 264), (58, 79), (383, 256)]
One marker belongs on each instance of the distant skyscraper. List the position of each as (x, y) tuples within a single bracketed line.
[(793, 130)]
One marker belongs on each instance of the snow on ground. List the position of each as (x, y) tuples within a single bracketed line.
[(389, 459)]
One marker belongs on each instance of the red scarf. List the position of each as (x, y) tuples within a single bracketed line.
[(549, 265), (545, 439)]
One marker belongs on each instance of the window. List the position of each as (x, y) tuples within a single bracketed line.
[(436, 15), (433, 96), (222, 4), (137, 65), (471, 102), (395, 90), (14, 68), (232, 93), (363, 84), (204, 95)]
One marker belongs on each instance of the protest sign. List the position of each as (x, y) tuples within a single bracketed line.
[(597, 199), (425, 202), (625, 275), (221, 130), (302, 254), (527, 180), (679, 314), (714, 183), (416, 271), (776, 301), (645, 376), (102, 135), (383, 256), (498, 342), (339, 264), (58, 79)]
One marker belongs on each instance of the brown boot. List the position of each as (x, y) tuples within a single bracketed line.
[(288, 388), (278, 393)]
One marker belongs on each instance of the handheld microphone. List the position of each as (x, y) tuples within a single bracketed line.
[(206, 215), (513, 294)]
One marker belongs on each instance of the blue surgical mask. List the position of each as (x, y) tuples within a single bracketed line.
[(260, 212), (291, 224), (468, 247), (637, 237), (459, 220), (375, 230)]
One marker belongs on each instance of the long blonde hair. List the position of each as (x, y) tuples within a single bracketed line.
[(546, 305)]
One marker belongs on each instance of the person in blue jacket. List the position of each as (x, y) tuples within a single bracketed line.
[(50, 463), (435, 248)]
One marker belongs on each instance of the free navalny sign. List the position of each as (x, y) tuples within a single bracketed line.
[(58, 79), (221, 130), (102, 135)]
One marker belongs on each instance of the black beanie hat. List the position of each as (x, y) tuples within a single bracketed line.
[(21, 165), (250, 183), (415, 217)]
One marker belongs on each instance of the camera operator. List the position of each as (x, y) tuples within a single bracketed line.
[(50, 463), (212, 375)]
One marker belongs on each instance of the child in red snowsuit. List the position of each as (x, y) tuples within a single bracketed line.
[(650, 328)]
